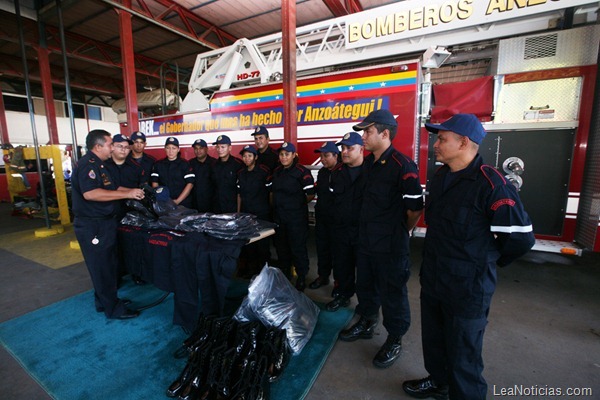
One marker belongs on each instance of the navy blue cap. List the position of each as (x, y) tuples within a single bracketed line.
[(287, 147), (328, 147), (350, 139), (118, 138), (200, 142), (463, 124), (249, 148), (138, 135), (223, 139), (384, 117), (162, 193), (172, 140), (260, 130)]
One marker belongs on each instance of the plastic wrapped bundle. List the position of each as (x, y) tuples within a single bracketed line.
[(276, 303)]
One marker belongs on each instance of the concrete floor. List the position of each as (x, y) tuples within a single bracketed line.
[(543, 331)]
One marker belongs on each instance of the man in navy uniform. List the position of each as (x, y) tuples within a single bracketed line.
[(392, 205), (266, 155), (475, 222), (225, 173), (346, 185), (95, 195), (202, 166), (138, 144), (324, 214)]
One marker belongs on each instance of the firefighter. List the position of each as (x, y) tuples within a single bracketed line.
[(137, 153), (253, 198), (391, 207), (346, 184), (475, 222), (94, 204), (175, 173), (266, 155), (292, 188), (202, 165), (225, 171), (324, 214)]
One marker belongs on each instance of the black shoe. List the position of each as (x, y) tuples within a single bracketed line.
[(128, 314), (389, 352), (337, 302), (363, 329), (317, 283), (301, 283), (125, 302), (138, 280), (424, 388)]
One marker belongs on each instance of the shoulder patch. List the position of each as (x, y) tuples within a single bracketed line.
[(502, 202), (92, 174), (492, 175)]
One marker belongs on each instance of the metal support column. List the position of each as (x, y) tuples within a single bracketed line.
[(290, 114), (127, 55), (46, 79), (3, 124)]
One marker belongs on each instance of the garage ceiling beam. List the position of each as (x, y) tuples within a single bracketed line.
[(186, 17), (339, 8)]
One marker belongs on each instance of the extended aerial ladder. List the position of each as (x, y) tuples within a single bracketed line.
[(327, 44)]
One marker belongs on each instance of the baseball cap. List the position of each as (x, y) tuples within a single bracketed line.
[(119, 138), (260, 130), (249, 148), (350, 139), (463, 124), (287, 147), (383, 116), (199, 142), (223, 139), (328, 147), (138, 135), (172, 140)]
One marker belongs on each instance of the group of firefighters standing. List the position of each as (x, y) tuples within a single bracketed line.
[(366, 208)]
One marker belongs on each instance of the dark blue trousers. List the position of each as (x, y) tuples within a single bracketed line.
[(98, 242), (452, 348), (381, 282)]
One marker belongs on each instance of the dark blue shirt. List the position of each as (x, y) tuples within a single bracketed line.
[(347, 186), (392, 187), (225, 182), (474, 223), (203, 184), (91, 173), (175, 175), (146, 161), (253, 191), (290, 188), (269, 158), (324, 206)]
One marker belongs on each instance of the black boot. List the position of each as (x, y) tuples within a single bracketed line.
[(363, 329), (301, 283), (389, 352), (425, 388)]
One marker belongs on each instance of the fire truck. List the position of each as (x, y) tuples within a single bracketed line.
[(535, 95)]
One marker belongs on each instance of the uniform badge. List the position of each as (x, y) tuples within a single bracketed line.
[(324, 144), (92, 174), (219, 138), (347, 136), (382, 162), (284, 145)]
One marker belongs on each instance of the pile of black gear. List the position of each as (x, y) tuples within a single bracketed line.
[(231, 360), (158, 211)]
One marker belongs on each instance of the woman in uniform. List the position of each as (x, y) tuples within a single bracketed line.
[(253, 198), (175, 173), (292, 188)]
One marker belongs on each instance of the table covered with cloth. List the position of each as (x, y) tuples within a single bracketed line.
[(184, 263)]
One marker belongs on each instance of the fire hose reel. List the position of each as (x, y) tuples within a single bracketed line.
[(514, 168)]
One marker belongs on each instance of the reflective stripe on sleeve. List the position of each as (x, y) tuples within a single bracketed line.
[(511, 229), (412, 196), (308, 187), (189, 176)]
